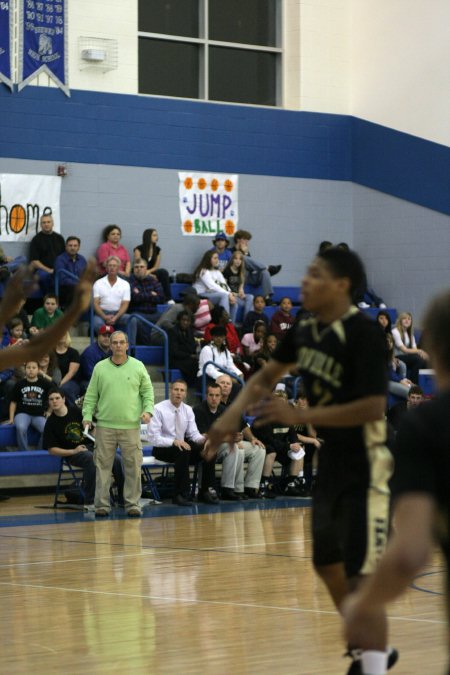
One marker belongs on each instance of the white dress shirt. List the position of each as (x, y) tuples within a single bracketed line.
[(162, 427)]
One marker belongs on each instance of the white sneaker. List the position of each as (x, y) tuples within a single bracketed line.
[(363, 305), (170, 302)]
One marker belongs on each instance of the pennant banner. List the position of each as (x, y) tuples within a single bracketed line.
[(43, 46), (208, 203), (6, 18), (23, 200)]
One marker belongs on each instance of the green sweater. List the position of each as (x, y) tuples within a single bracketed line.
[(42, 320), (118, 395)]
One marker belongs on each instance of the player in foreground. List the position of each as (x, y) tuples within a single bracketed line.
[(342, 360), (422, 495)]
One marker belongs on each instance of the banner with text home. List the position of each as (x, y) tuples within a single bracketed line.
[(43, 41), (6, 31), (208, 203), (23, 200)]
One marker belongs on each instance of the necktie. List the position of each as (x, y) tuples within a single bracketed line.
[(179, 427)]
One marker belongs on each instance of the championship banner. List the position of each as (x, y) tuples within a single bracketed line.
[(23, 200), (6, 31), (208, 203), (43, 41)]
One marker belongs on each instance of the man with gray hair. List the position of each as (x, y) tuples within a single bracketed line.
[(111, 297)]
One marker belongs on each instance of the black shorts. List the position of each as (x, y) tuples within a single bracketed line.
[(350, 519)]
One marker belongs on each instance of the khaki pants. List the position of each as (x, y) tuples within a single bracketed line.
[(106, 443)]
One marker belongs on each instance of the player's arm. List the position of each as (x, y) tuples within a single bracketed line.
[(257, 387), (406, 554)]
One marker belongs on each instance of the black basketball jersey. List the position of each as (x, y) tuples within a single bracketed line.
[(340, 363)]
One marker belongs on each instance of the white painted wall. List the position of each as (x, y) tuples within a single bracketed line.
[(400, 74)]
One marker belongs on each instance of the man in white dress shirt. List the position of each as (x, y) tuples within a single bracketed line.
[(176, 439)]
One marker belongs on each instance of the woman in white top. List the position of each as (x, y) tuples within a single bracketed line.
[(406, 348), (217, 352), (210, 282)]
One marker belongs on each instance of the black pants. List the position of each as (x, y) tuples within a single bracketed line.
[(414, 363), (85, 460), (163, 277), (182, 459)]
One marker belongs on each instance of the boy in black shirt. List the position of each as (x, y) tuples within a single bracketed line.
[(341, 357), (29, 404), (421, 490), (63, 436)]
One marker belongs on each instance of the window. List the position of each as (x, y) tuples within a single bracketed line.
[(211, 50)]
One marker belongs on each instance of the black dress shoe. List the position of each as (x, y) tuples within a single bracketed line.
[(274, 269), (179, 500), (229, 495), (209, 497), (252, 493), (242, 496)]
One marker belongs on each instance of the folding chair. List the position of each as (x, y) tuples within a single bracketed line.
[(68, 473)]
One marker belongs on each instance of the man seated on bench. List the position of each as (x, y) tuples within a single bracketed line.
[(63, 437)]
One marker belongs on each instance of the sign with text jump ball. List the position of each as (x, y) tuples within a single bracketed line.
[(23, 200), (208, 203)]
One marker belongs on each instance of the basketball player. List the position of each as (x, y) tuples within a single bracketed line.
[(341, 357), (422, 496)]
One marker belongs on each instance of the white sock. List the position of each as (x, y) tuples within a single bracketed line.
[(374, 662)]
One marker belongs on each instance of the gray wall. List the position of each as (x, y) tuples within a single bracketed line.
[(405, 247)]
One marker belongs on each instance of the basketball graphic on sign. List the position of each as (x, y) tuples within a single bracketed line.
[(201, 183), (187, 226), (214, 184), (229, 227), (17, 218), (188, 183), (228, 185)]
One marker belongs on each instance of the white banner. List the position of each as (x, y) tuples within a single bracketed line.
[(23, 200), (208, 203)]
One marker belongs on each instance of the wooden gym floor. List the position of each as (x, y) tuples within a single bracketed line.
[(211, 590)]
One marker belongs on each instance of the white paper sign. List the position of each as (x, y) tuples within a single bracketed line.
[(23, 200), (208, 203)]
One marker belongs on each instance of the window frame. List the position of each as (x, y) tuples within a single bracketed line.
[(204, 43)]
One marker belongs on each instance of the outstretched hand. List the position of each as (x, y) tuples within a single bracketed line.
[(275, 410)]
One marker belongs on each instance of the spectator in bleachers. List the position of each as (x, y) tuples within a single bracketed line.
[(8, 265), (45, 247), (183, 347), (234, 273), (175, 438), (94, 353), (398, 383), (398, 411), (145, 294), (202, 316), (63, 437), (405, 347), (28, 404), (282, 320), (210, 282), (230, 454), (73, 262), (257, 274), (111, 246), (192, 303), (150, 252), (253, 342), (324, 245), (49, 368), (384, 320), (16, 331), (261, 357), (256, 314), (281, 444), (307, 435), (220, 317), (221, 244), (68, 360), (47, 314), (111, 297), (218, 353)]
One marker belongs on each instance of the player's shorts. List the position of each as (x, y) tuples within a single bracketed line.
[(350, 520)]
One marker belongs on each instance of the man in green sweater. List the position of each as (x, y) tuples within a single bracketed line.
[(120, 394)]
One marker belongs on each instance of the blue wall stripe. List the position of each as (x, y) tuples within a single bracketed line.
[(99, 128)]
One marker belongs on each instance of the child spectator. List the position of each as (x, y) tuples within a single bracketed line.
[(16, 331), (234, 273), (282, 320), (68, 360), (48, 314), (218, 353), (253, 342), (29, 404), (221, 244), (210, 282), (384, 320), (261, 357), (406, 348), (256, 314)]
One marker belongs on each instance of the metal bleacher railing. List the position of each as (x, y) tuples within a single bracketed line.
[(165, 347)]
